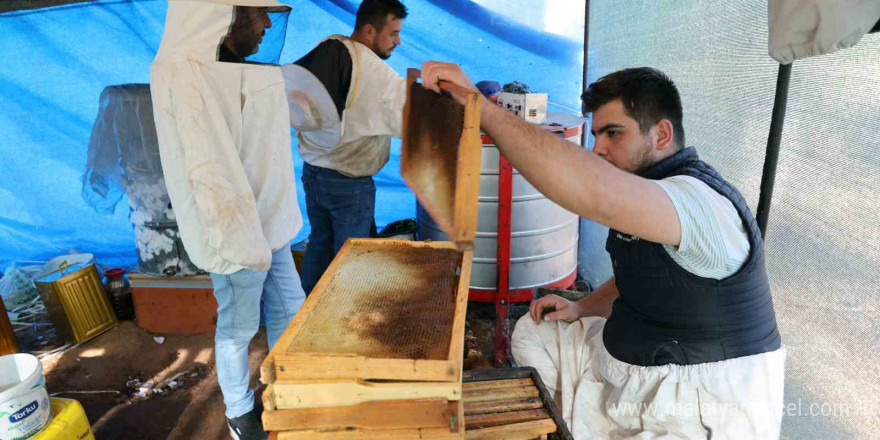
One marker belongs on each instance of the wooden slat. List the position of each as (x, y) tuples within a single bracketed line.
[(412, 76), (396, 414), (502, 394), (478, 376), (504, 418), (453, 432), (268, 398), (323, 394), (495, 384), (456, 345), (495, 406), (496, 374), (314, 366), (516, 431), (360, 434), (467, 184)]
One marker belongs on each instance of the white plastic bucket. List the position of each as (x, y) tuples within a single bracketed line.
[(24, 403)]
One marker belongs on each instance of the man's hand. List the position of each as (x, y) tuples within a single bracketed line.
[(433, 72), (563, 309)]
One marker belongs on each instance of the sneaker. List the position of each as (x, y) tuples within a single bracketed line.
[(246, 427)]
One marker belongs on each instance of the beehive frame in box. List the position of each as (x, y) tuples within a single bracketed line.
[(440, 155), (380, 312)]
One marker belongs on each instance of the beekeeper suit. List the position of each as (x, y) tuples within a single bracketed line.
[(224, 140)]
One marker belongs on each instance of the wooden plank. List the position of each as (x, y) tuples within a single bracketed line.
[(360, 434), (516, 431), (504, 418), (453, 432), (322, 394), (495, 384), (495, 406), (496, 374), (412, 76), (396, 414), (268, 398), (467, 184), (502, 394), (456, 344), (314, 366)]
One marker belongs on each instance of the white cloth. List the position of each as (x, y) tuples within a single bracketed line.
[(603, 398), (312, 111), (373, 114), (714, 243), (224, 141), (803, 28)]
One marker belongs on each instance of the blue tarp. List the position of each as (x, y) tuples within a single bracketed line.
[(56, 62)]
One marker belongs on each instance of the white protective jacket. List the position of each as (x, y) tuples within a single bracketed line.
[(373, 115), (224, 140)]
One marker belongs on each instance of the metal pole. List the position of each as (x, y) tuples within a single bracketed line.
[(502, 298), (773, 141), (585, 135)]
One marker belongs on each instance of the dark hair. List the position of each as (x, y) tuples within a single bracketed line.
[(374, 12), (648, 96)]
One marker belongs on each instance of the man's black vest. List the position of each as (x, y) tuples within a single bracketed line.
[(666, 315)]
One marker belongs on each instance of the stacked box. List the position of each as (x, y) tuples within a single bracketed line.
[(376, 350)]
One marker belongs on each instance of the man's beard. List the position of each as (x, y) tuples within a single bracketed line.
[(643, 160), (383, 55), (247, 46)]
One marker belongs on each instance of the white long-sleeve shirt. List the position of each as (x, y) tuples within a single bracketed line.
[(373, 114)]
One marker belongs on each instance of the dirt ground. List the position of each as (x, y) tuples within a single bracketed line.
[(96, 373)]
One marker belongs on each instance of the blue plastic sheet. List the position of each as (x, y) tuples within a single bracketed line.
[(56, 62)]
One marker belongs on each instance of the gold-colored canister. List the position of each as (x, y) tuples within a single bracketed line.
[(75, 299)]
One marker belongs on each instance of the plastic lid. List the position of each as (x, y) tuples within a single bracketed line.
[(114, 272)]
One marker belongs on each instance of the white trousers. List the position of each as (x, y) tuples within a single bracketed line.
[(603, 398)]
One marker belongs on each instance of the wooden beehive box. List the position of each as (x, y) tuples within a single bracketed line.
[(510, 404), (381, 333)]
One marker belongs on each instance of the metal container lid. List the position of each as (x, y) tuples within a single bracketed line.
[(62, 272)]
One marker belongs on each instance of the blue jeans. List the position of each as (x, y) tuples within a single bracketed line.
[(339, 208), (239, 297)]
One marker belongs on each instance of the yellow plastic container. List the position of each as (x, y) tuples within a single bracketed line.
[(69, 423)]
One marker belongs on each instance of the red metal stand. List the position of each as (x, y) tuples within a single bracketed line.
[(502, 299), (503, 296)]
